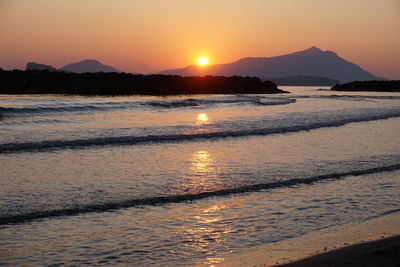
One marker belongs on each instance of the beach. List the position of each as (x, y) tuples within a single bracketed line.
[(200, 133), (196, 180), (384, 252), (376, 240)]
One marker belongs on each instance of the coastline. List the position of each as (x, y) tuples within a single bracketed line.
[(384, 252), (310, 247)]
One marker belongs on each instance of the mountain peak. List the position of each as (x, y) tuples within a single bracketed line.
[(311, 50), (314, 49), (89, 61)]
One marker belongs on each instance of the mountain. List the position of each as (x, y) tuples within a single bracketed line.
[(310, 62), (303, 80), (88, 65), (37, 66)]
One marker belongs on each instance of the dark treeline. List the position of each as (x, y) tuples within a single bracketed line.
[(54, 82), (371, 86)]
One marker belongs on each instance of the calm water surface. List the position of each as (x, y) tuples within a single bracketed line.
[(189, 180)]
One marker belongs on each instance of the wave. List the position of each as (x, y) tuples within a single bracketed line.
[(110, 106), (276, 101), (299, 125), (176, 104), (45, 121), (63, 107), (190, 197), (255, 100)]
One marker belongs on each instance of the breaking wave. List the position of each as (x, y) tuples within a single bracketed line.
[(159, 200), (227, 100), (252, 128), (110, 106)]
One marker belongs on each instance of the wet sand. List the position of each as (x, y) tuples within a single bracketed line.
[(384, 252), (375, 242)]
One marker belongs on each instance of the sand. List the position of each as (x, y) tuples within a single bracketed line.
[(356, 240), (382, 253)]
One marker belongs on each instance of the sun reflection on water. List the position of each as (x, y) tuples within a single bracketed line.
[(202, 119), (202, 163), (205, 231)]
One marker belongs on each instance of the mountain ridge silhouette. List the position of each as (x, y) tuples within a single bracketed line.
[(310, 62)]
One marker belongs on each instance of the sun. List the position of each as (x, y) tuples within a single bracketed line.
[(202, 61)]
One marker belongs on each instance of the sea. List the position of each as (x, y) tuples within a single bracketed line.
[(189, 180)]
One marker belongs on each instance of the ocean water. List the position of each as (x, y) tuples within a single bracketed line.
[(189, 180)]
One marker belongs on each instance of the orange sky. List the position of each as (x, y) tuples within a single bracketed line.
[(153, 35)]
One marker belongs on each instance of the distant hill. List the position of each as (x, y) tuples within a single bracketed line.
[(310, 62), (88, 65), (37, 66), (303, 80)]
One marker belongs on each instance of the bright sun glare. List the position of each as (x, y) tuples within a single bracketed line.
[(202, 61), (202, 119)]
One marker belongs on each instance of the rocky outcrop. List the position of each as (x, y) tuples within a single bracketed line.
[(369, 86), (37, 66)]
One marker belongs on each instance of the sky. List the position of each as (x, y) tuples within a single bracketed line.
[(154, 35)]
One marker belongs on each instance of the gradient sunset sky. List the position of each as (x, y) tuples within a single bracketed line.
[(153, 35)]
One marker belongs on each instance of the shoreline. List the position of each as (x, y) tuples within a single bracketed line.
[(382, 252), (288, 252)]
